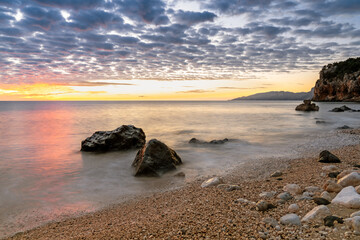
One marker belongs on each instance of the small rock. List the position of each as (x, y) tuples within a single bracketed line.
[(329, 220), (327, 157), (180, 174), (284, 196), (245, 201), (330, 168), (293, 208), (307, 106), (271, 221), (332, 186), (344, 173), (355, 214), (352, 179), (290, 219), (326, 195), (293, 189), (347, 197), (264, 206), (228, 187), (344, 127), (317, 214), (333, 174), (313, 189), (267, 194), (211, 182), (276, 174), (321, 201)]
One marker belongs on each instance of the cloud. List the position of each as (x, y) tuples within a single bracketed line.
[(196, 91), (192, 18)]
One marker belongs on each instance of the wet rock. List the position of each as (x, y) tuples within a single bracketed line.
[(290, 219), (123, 138), (332, 186), (347, 197), (155, 158), (211, 182), (293, 189), (345, 127), (276, 174), (293, 208), (307, 106), (284, 196), (326, 195), (327, 157), (197, 141), (329, 220), (317, 214), (352, 179), (321, 201), (343, 108)]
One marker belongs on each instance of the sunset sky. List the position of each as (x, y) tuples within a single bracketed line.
[(170, 49)]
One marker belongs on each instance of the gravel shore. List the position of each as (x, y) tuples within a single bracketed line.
[(193, 212)]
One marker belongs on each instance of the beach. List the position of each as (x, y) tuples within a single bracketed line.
[(193, 212)]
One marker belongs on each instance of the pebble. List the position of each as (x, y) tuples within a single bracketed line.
[(332, 186), (321, 201), (276, 174), (284, 196), (293, 208), (211, 182), (317, 214), (326, 195), (267, 194), (271, 221), (228, 187), (293, 189), (290, 219)]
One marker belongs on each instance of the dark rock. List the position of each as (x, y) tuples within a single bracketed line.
[(197, 141), (321, 201), (328, 157), (264, 206), (320, 122), (342, 109), (357, 166), (329, 220), (154, 159), (344, 127), (122, 138), (307, 106), (333, 174), (339, 82)]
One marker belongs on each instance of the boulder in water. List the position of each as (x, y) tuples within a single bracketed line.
[(307, 106), (122, 138), (154, 159)]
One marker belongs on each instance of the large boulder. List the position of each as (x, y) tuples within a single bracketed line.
[(154, 159), (122, 138), (307, 106)]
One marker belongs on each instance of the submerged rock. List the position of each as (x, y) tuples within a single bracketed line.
[(341, 109), (327, 157), (122, 138), (307, 106), (197, 141), (155, 158)]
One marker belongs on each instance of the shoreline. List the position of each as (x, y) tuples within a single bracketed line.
[(195, 212)]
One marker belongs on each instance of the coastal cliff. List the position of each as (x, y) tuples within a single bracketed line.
[(339, 82)]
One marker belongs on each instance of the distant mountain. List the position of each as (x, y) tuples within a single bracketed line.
[(279, 95)]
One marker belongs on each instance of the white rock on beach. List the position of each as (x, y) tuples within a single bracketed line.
[(352, 179), (317, 214), (344, 173), (354, 224), (347, 197), (293, 208), (293, 189), (290, 219), (326, 195), (332, 186), (211, 182), (330, 168)]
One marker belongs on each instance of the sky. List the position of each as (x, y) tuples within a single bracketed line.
[(170, 49)]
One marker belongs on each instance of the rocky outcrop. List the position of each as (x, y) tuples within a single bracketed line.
[(339, 82), (307, 106), (154, 159), (122, 138)]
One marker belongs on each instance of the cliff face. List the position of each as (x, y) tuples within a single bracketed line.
[(339, 82)]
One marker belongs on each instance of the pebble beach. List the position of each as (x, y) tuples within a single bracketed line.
[(229, 210)]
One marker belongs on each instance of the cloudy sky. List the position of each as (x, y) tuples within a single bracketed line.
[(169, 49)]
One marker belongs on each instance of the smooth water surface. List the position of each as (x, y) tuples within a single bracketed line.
[(44, 176)]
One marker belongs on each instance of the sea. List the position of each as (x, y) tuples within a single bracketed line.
[(45, 177)]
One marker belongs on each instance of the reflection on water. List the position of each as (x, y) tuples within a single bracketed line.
[(44, 176)]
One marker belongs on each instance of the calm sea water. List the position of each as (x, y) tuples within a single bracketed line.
[(44, 176)]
